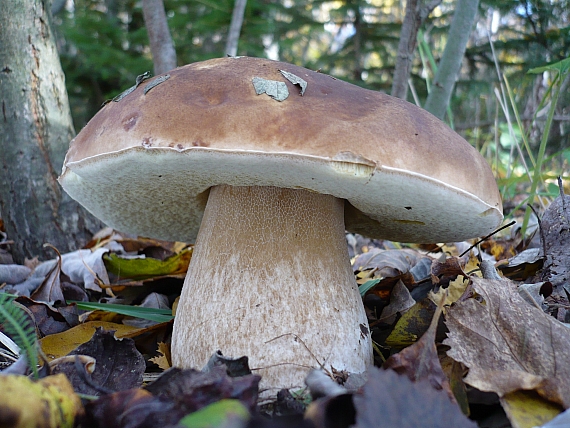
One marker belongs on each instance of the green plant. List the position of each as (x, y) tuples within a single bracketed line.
[(558, 70), (152, 314), (535, 174), (430, 66), (18, 325)]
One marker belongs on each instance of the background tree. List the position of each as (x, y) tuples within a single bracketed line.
[(317, 34), (450, 64), (416, 13), (163, 53), (35, 131), (104, 45), (235, 27)]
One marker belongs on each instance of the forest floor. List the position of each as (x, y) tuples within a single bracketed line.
[(463, 336)]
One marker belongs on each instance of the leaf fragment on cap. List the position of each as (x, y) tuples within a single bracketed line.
[(156, 82), (140, 78), (276, 90), (295, 80)]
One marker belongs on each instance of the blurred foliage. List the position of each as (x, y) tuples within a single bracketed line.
[(104, 46)]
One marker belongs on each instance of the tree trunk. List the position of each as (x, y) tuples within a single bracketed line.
[(35, 130), (161, 46), (235, 27), (416, 13), (450, 63), (357, 43)]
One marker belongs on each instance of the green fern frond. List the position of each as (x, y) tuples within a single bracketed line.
[(16, 323)]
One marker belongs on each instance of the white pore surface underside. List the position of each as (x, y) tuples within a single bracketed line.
[(153, 192)]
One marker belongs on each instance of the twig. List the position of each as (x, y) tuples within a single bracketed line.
[(561, 189), (302, 342), (488, 270), (542, 237), (486, 237)]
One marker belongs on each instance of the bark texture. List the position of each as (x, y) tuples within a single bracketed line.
[(416, 13), (35, 130), (161, 46), (235, 27), (450, 63)]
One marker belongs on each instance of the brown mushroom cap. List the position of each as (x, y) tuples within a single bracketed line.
[(144, 164)]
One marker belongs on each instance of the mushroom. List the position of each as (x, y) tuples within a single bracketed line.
[(265, 164)]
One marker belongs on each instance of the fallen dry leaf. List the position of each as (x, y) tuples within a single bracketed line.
[(443, 272), (131, 408), (390, 400), (390, 266), (420, 360), (560, 421), (13, 274), (556, 227), (500, 248), (50, 290), (119, 366), (172, 396), (147, 267), (58, 345), (412, 325), (400, 301), (509, 344), (85, 267), (523, 265), (454, 291), (49, 402), (388, 263), (526, 409), (162, 360), (49, 320), (191, 389)]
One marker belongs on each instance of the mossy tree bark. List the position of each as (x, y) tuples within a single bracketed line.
[(35, 130)]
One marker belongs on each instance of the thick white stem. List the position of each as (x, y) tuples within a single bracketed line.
[(270, 278)]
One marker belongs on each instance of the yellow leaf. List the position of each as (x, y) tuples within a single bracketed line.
[(452, 293), (148, 267), (527, 409), (456, 289), (412, 325), (49, 402), (60, 344), (472, 266), (365, 274), (105, 316), (162, 360)]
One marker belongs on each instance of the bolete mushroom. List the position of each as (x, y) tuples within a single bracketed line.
[(265, 164)]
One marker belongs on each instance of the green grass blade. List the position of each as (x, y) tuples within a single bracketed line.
[(367, 286), (427, 56), (152, 314), (519, 122), (541, 151)]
